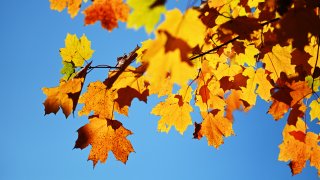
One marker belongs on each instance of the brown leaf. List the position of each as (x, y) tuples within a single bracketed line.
[(127, 94), (236, 84), (208, 16), (296, 24), (241, 25), (300, 58), (296, 112)]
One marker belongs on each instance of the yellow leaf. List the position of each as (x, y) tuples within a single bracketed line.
[(75, 50), (187, 27), (168, 57), (175, 111), (248, 57), (129, 85), (312, 49), (144, 15), (279, 60), (225, 69), (256, 78), (315, 109), (104, 135)]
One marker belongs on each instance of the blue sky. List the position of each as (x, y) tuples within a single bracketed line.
[(34, 146)]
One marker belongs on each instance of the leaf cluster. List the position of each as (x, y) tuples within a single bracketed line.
[(222, 56)]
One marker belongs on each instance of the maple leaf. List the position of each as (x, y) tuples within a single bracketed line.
[(315, 82), (100, 100), (296, 112), (288, 96), (226, 70), (248, 56), (65, 95), (242, 26), (171, 54), (207, 15), (175, 111), (109, 12), (300, 91), (234, 82), (278, 109), (104, 135), (315, 109), (73, 6), (76, 50), (209, 95), (299, 146), (312, 49), (184, 26), (304, 19), (279, 60), (234, 102), (256, 84), (214, 126), (129, 85), (144, 14), (300, 59), (68, 70)]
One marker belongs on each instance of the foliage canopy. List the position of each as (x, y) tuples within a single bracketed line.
[(216, 57)]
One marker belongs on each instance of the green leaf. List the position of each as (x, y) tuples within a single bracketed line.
[(67, 69)]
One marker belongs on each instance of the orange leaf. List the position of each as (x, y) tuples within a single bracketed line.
[(100, 100), (278, 109), (234, 102), (66, 95), (73, 6), (214, 127), (298, 147), (104, 135), (109, 12)]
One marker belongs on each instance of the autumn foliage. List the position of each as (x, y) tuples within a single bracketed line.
[(214, 58)]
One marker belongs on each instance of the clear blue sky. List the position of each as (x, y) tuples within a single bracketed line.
[(38, 147)]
